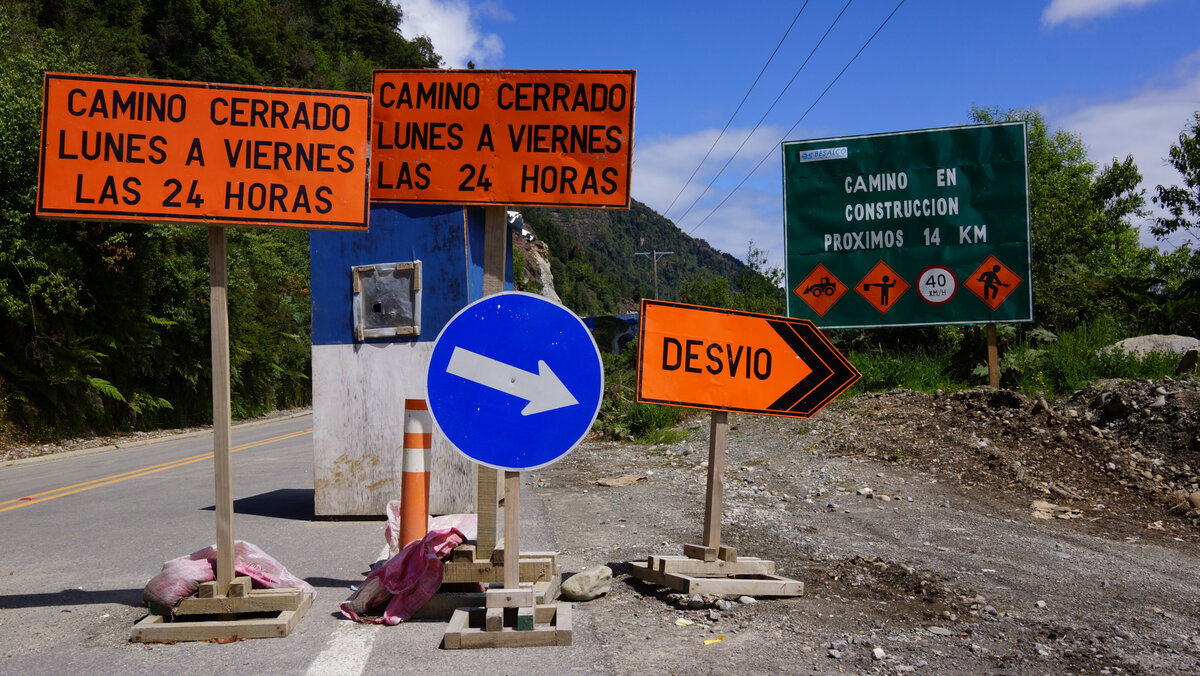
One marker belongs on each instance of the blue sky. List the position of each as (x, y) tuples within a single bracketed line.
[(1123, 74)]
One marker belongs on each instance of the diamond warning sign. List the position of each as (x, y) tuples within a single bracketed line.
[(882, 287), (820, 289), (993, 282)]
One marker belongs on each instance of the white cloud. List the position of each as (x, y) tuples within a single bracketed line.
[(1144, 125), (753, 213), (453, 28), (1074, 11)]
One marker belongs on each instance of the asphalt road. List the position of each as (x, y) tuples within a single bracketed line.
[(82, 533)]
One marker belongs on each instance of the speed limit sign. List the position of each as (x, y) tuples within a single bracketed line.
[(937, 285)]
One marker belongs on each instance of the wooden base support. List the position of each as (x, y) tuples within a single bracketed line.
[(472, 628), (444, 603), (243, 613), (463, 567), (744, 575)]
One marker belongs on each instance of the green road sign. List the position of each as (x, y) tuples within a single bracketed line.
[(910, 228)]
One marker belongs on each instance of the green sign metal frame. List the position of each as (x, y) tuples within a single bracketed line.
[(913, 228)]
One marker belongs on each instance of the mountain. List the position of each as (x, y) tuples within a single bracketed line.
[(592, 261)]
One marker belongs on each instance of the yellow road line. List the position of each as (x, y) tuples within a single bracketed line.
[(132, 474)]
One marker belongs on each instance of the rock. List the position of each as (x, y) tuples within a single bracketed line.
[(1143, 345), (835, 654), (714, 616), (1188, 363), (1040, 604), (591, 583), (940, 631), (747, 600), (878, 654), (1194, 500), (696, 602)]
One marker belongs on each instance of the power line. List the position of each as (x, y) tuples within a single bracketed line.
[(737, 110), (806, 112), (772, 107)]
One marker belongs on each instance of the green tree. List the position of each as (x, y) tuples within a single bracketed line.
[(1084, 243), (106, 326), (1182, 202)]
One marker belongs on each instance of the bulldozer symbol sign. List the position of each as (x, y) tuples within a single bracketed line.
[(882, 287), (993, 282), (820, 290)]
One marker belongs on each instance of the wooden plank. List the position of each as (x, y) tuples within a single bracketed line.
[(509, 598), (467, 630), (993, 357), (646, 573), (525, 618), (700, 552), (464, 552), (498, 555), (493, 619), (222, 412), (443, 604), (452, 638), (155, 629), (254, 603), (512, 527), (727, 553), (531, 570), (717, 429), (486, 511), (746, 565), (767, 585), (562, 625)]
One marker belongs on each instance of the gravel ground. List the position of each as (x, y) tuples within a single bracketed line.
[(978, 532)]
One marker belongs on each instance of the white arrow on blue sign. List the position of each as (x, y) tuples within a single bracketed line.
[(515, 381)]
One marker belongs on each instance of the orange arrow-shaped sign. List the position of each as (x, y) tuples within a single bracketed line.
[(711, 358)]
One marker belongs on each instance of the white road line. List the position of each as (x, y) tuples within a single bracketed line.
[(348, 650)]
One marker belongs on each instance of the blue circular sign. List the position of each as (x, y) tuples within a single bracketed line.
[(515, 381)]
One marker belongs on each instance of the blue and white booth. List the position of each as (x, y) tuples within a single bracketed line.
[(379, 299)]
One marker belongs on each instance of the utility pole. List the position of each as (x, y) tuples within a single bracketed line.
[(656, 255)]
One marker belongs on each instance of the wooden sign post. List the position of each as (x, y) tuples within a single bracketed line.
[(492, 138), (132, 149), (222, 415), (724, 360)]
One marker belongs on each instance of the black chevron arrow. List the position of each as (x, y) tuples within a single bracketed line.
[(831, 373)]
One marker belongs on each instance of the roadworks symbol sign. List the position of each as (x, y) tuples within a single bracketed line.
[(820, 290), (882, 287), (993, 282)]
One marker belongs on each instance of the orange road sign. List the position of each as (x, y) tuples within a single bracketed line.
[(519, 137), (821, 289), (882, 287), (993, 282), (133, 149), (703, 357)]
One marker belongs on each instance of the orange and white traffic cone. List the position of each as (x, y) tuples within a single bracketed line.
[(414, 483)]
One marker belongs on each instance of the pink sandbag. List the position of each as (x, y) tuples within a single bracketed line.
[(263, 570), (179, 579), (467, 524), (406, 582)]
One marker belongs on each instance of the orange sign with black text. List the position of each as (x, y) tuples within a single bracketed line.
[(134, 149), (513, 137), (710, 358), (992, 281)]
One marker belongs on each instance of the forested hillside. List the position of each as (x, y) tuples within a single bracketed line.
[(106, 326), (594, 264)]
